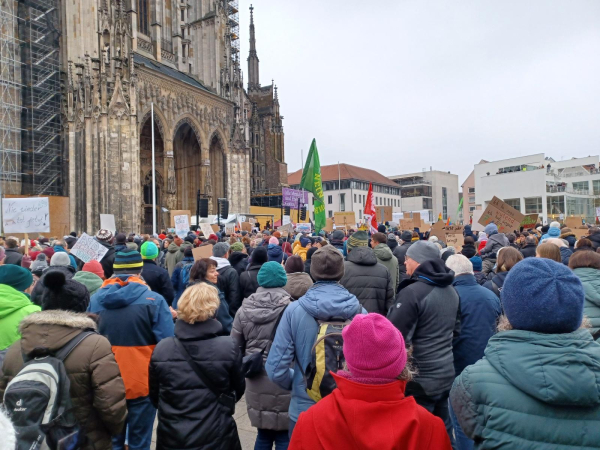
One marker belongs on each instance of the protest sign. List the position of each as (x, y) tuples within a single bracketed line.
[(179, 212), (437, 230), (291, 197), (573, 222), (303, 227), (580, 232), (206, 229), (204, 251), (416, 217), (529, 221), (215, 228), (88, 249), (285, 230), (329, 224), (454, 229), (26, 215), (182, 225), (345, 218), (384, 214), (406, 224), (598, 211), (247, 226), (455, 240), (503, 215), (286, 220), (397, 217), (107, 222), (252, 220), (476, 226), (230, 228)]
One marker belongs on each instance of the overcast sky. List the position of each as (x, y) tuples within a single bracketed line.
[(398, 85)]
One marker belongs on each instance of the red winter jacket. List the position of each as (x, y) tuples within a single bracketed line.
[(366, 416)]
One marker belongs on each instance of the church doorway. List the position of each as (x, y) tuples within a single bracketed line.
[(188, 165), (218, 172), (146, 168)]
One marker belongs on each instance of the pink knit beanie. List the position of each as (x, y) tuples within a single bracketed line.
[(274, 240), (374, 349)]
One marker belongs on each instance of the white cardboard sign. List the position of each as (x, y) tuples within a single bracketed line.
[(26, 215), (182, 225), (88, 249), (107, 222)]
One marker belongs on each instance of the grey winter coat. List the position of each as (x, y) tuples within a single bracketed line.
[(252, 327), (494, 243), (370, 281), (385, 257), (298, 283)]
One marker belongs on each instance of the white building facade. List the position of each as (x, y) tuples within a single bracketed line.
[(536, 184)]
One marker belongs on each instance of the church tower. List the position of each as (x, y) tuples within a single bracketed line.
[(253, 76)]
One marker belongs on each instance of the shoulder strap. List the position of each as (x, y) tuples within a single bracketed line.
[(196, 368), (70, 346)]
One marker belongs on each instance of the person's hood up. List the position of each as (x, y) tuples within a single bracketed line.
[(184, 245), (11, 300), (117, 295), (500, 238), (90, 280), (557, 369), (553, 232), (590, 278), (221, 262), (59, 249), (54, 328), (172, 248), (266, 304), (363, 256), (236, 257), (434, 272), (383, 252), (327, 300)]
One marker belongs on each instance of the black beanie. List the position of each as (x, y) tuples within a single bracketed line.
[(259, 255), (381, 228), (310, 252), (60, 293)]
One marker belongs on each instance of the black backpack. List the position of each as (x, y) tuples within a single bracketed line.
[(38, 400)]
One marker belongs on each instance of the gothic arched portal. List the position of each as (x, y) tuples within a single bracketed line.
[(218, 171), (188, 165)]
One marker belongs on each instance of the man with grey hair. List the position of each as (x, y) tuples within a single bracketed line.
[(426, 312), (228, 280), (479, 313)]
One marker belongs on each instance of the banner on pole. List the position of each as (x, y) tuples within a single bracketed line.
[(291, 197)]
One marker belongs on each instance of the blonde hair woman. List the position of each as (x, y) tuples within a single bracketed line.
[(196, 377)]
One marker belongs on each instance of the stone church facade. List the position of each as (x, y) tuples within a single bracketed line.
[(121, 57)]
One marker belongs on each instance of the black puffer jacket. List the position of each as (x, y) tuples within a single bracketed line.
[(158, 279), (528, 251), (249, 281), (228, 283), (400, 254), (239, 261), (108, 260), (13, 256), (368, 280), (189, 415)]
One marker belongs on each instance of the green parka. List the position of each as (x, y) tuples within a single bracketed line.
[(532, 391), (14, 305), (590, 278)]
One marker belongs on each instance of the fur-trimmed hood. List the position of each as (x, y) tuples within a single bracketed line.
[(52, 329)]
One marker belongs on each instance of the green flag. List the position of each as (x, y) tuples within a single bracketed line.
[(311, 181), (460, 205)]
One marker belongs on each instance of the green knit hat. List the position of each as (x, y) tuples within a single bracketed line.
[(358, 239), (149, 250), (16, 277), (272, 275), (237, 247)]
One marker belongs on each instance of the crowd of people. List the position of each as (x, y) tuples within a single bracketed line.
[(342, 340)]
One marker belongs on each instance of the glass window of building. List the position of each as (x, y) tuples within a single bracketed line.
[(471, 208), (342, 202), (596, 185), (360, 213), (427, 203), (416, 191), (330, 212), (471, 199), (471, 190), (583, 207), (354, 198), (444, 203), (329, 199), (555, 204), (581, 186), (514, 202), (533, 205)]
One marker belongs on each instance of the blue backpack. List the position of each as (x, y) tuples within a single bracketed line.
[(185, 274)]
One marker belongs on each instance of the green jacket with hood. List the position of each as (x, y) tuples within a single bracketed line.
[(590, 278), (14, 305), (385, 257), (532, 391), (171, 258)]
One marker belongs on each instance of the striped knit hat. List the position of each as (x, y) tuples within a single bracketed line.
[(128, 262), (358, 239)]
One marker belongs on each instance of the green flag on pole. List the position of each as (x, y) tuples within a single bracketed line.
[(460, 205), (311, 181)]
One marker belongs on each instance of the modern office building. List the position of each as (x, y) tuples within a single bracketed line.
[(431, 190), (539, 184), (345, 188), (468, 195)]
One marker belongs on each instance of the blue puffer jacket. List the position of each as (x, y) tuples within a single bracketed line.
[(532, 391), (296, 335), (553, 232)]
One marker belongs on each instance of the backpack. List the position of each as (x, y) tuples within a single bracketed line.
[(38, 401), (327, 355), (185, 274)]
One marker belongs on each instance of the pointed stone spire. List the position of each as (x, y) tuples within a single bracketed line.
[(253, 77)]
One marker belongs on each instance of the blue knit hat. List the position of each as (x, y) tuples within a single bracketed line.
[(271, 275), (491, 229), (477, 263), (544, 296), (16, 277), (275, 253)]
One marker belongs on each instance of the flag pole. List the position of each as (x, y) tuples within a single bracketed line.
[(339, 188), (153, 173)]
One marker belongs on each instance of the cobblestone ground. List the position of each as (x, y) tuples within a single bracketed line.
[(246, 431)]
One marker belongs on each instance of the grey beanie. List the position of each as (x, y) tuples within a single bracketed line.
[(220, 249), (60, 259), (327, 264), (422, 251)]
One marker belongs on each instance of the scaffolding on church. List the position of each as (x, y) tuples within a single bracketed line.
[(234, 27), (30, 96)]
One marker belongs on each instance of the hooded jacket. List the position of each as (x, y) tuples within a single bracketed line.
[(12, 256), (427, 314), (61, 249), (570, 238), (90, 280), (495, 282), (369, 280), (386, 258), (296, 335), (249, 280), (39, 291), (108, 260), (369, 416), (14, 306), (134, 319), (532, 391), (189, 414), (590, 278), (528, 251), (299, 250), (171, 258), (228, 283), (97, 389), (158, 280), (239, 261), (297, 284), (494, 243), (252, 328), (553, 232)]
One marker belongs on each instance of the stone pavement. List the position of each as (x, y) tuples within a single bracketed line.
[(246, 431)]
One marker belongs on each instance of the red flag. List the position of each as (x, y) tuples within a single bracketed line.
[(370, 213)]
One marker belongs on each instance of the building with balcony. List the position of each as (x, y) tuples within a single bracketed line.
[(345, 188), (432, 190), (539, 184)]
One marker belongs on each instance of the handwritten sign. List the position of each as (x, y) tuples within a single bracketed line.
[(406, 224), (303, 228), (503, 215), (107, 222), (230, 228), (291, 197), (204, 251), (182, 226), (529, 221), (26, 215), (345, 218), (573, 222), (206, 229), (455, 240), (88, 249)]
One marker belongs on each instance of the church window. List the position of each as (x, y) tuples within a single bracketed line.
[(143, 16)]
